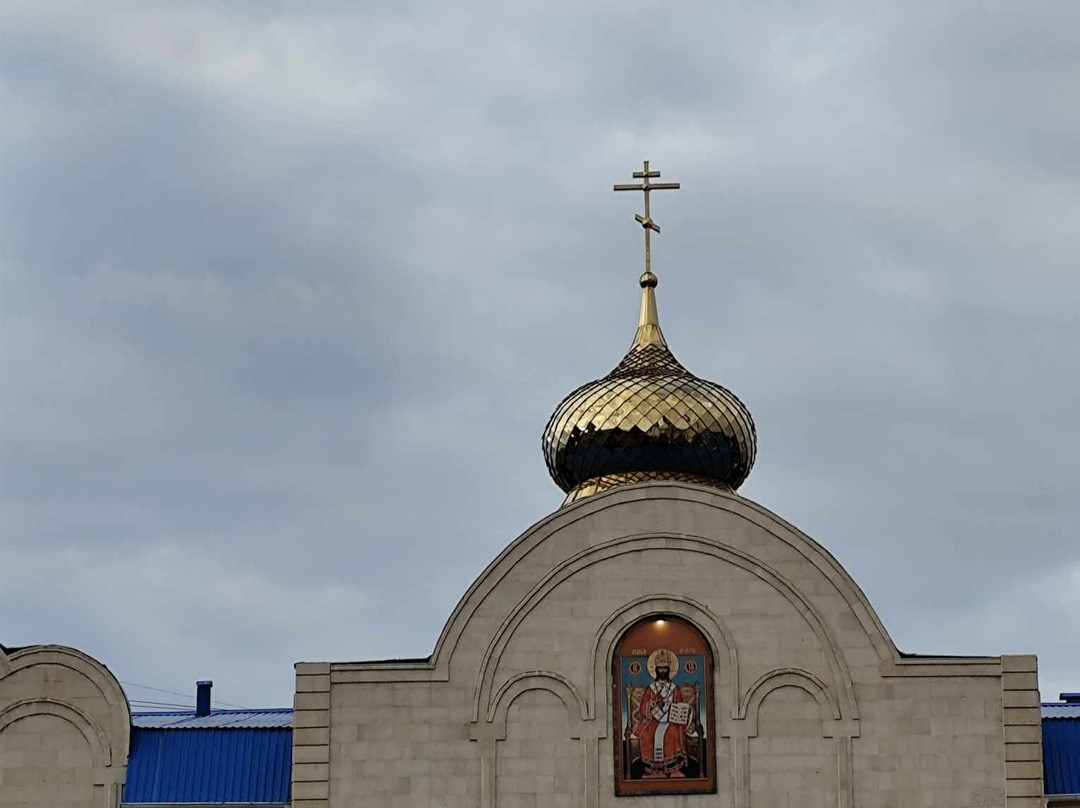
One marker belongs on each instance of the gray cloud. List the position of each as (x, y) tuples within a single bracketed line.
[(288, 298)]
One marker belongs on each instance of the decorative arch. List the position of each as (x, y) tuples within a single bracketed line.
[(691, 543), (119, 724), (94, 735), (789, 677), (551, 682)]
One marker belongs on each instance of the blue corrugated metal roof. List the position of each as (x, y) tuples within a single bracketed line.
[(1060, 710), (1061, 748), (278, 718), (209, 765)]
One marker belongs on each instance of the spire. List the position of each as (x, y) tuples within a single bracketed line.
[(648, 332), (648, 329)]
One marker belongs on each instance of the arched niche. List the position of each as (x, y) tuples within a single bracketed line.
[(725, 655), (790, 677), (95, 737), (663, 708), (551, 715), (554, 683)]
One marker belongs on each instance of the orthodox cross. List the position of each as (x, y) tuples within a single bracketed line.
[(646, 221)]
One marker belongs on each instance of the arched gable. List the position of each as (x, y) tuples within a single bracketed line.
[(118, 725), (89, 698), (832, 574), (695, 544)]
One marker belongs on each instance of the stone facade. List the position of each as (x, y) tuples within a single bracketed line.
[(64, 730), (815, 706)]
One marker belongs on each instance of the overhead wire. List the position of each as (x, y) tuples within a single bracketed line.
[(141, 704), (158, 689), (176, 693)]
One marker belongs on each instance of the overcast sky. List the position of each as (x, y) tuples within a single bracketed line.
[(288, 296)]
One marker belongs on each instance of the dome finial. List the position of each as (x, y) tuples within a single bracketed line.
[(648, 328)]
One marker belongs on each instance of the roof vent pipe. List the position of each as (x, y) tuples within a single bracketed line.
[(202, 697)]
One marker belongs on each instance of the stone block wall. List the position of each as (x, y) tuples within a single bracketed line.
[(1022, 718), (791, 764), (45, 761), (311, 736)]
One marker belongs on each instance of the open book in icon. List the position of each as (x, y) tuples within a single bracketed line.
[(679, 713)]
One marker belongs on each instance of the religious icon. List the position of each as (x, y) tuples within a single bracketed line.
[(663, 709)]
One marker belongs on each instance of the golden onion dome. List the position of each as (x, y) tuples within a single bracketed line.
[(649, 419)]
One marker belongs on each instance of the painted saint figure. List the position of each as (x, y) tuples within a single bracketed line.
[(660, 723)]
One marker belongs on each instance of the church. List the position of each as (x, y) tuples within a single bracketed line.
[(658, 640)]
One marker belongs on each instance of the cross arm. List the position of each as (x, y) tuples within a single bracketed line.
[(655, 186), (647, 222)]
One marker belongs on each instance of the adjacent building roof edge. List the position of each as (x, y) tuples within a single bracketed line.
[(977, 657), (1053, 710), (267, 718)]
